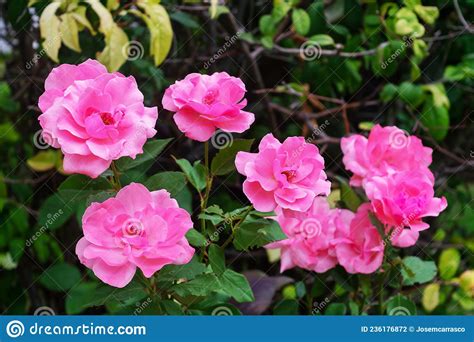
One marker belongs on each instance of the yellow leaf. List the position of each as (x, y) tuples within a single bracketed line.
[(44, 161), (69, 32), (113, 4), (106, 20), (49, 28), (213, 9), (113, 55), (80, 15), (273, 255), (430, 298), (159, 25)]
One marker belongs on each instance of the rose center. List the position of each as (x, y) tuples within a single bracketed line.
[(290, 174), (134, 229), (107, 118), (210, 97)]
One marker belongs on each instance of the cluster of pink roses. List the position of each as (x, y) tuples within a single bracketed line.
[(289, 178), (96, 117), (392, 168)]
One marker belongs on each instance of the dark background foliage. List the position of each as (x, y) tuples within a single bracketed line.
[(356, 68)]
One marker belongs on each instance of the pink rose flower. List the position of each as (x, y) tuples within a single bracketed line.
[(402, 200), (288, 175), (137, 228), (387, 150), (310, 235), (359, 246), (203, 103), (94, 116)]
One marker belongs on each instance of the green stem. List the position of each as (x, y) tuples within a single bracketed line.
[(234, 229), (209, 180), (117, 184)]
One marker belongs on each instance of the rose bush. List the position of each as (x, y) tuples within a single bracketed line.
[(308, 158)]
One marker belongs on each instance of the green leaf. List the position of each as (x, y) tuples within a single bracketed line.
[(175, 183), (237, 286), (78, 298), (435, 119), (440, 99), (56, 210), (411, 94), (196, 239), (3, 191), (200, 286), (69, 32), (218, 10), (196, 173), (407, 24), (280, 10), (322, 40), (171, 308), (50, 30), (389, 92), (430, 299), (150, 151), (335, 309), (267, 25), (448, 263), (267, 42), (400, 306), (417, 271), (301, 21), (257, 232), (217, 259), (286, 307), (7, 104), (60, 277), (428, 14), (185, 19), (129, 295), (224, 162), (348, 196), (187, 271)]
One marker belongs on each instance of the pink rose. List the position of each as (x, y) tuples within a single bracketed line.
[(310, 235), (387, 150), (288, 175), (137, 228), (402, 200), (94, 116), (203, 103), (359, 246)]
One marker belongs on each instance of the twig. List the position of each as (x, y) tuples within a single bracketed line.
[(463, 20)]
